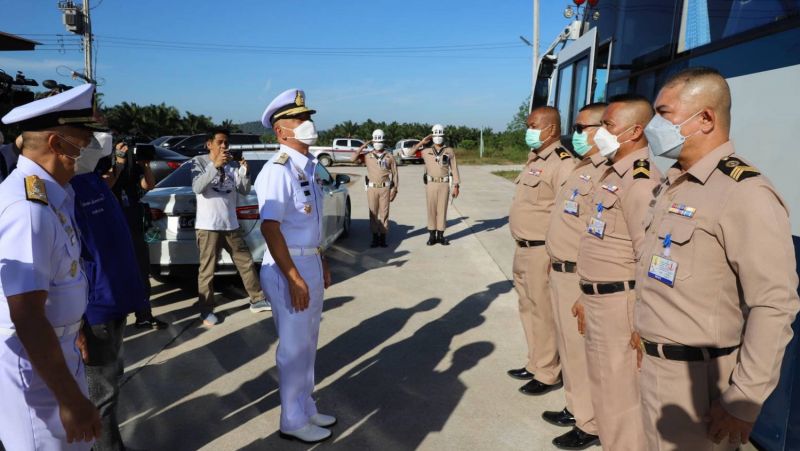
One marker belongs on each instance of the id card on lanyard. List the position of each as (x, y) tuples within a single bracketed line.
[(571, 206), (597, 226), (661, 267)]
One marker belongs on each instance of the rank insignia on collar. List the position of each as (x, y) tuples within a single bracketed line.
[(611, 188), (683, 210), (35, 190), (641, 169)]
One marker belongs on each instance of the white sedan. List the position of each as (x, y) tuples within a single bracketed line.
[(171, 236)]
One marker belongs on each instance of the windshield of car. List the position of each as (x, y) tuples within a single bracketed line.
[(183, 175)]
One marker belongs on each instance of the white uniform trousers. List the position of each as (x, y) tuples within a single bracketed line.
[(298, 333), (29, 419)]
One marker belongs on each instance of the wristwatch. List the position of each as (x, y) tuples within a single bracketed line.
[(119, 154)]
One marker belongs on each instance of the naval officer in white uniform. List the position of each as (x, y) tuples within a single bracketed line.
[(43, 291), (293, 272)]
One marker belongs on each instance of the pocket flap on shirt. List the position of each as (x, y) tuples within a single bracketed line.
[(681, 230)]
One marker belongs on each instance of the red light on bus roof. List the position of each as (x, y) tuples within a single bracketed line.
[(593, 2), (579, 2)]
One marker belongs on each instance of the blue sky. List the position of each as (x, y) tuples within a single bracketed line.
[(356, 59)]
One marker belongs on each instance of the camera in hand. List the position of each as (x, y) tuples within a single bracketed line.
[(140, 151), (236, 154)]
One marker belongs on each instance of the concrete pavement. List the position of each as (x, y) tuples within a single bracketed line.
[(414, 344)]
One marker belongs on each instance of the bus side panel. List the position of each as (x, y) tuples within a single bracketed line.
[(778, 425)]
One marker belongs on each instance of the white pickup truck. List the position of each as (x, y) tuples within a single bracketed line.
[(341, 151)]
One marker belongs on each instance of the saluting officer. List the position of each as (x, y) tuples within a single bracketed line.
[(571, 211), (294, 272), (43, 290), (381, 184), (606, 267), (441, 171), (547, 169), (716, 282)]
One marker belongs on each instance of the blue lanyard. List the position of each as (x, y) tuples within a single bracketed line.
[(574, 193), (599, 210), (667, 244)]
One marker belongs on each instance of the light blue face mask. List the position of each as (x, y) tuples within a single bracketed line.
[(532, 138), (665, 138), (580, 143)]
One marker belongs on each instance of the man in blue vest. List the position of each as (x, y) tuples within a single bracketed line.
[(115, 288)]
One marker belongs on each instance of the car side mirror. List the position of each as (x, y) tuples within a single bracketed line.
[(342, 179)]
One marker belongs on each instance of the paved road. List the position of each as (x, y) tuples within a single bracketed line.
[(413, 350)]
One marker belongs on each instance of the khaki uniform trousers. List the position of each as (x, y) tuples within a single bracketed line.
[(378, 201), (676, 396), (565, 291), (438, 194), (613, 373), (536, 312), (210, 243)]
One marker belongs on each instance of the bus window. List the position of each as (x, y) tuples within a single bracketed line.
[(541, 91), (581, 86), (600, 73), (564, 95), (705, 21)]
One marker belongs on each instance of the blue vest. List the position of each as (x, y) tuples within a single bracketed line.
[(109, 260)]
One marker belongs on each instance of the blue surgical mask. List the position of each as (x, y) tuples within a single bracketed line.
[(665, 138), (580, 143), (532, 138)]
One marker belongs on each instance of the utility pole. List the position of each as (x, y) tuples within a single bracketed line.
[(534, 52), (87, 42)]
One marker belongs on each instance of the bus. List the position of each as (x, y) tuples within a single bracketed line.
[(621, 46)]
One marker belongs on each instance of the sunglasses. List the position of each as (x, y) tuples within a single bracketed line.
[(581, 127)]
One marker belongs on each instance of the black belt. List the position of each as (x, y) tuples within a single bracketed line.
[(526, 243), (606, 288), (685, 353), (565, 266)]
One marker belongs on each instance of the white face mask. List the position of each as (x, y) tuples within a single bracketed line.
[(98, 147), (438, 140), (378, 146), (306, 133), (608, 144), (665, 138)]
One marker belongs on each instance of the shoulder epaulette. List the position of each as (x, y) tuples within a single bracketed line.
[(737, 169), (563, 153), (641, 169), (35, 190), (282, 158)]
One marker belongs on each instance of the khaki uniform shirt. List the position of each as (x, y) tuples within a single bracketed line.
[(731, 240), (625, 192), (441, 164), (537, 186), (566, 226), (381, 169)]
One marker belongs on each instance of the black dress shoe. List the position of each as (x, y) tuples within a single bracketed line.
[(563, 418), (150, 323), (535, 388), (521, 374), (432, 239), (576, 439), (375, 240)]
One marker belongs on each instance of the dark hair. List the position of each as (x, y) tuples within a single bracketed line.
[(633, 98), (217, 131), (594, 106), (691, 74)]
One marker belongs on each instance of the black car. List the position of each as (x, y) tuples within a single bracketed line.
[(196, 144), (165, 162)]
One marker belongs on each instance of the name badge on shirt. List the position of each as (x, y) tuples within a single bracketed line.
[(535, 172), (571, 207), (597, 227), (663, 270)]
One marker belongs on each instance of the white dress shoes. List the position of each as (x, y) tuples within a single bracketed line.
[(322, 420), (309, 433)]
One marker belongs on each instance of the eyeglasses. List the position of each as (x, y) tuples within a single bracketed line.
[(581, 127)]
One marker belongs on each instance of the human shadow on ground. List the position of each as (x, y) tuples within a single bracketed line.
[(482, 225), (424, 229), (394, 399), (193, 423), (352, 256)]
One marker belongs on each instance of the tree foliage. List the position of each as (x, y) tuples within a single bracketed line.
[(159, 120)]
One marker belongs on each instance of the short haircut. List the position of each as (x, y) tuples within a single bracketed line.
[(711, 83), (217, 131), (594, 107)]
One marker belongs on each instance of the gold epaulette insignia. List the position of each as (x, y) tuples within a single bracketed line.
[(35, 190), (737, 169), (641, 169), (282, 158), (563, 153)]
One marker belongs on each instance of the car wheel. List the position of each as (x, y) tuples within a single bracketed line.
[(347, 220), (325, 161)]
